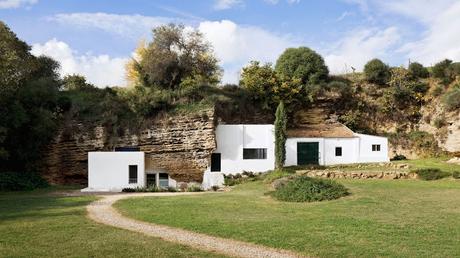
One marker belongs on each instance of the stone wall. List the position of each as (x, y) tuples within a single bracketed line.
[(180, 145)]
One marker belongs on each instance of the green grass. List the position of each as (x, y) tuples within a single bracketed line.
[(36, 224), (439, 163), (396, 218)]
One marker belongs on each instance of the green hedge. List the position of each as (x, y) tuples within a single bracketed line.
[(21, 181), (308, 189)]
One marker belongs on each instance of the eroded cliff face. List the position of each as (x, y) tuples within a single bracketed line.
[(180, 145)]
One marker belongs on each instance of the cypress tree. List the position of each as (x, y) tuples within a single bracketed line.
[(280, 135)]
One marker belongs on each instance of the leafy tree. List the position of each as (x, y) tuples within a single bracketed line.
[(441, 70), (76, 82), (417, 70), (29, 106), (302, 63), (174, 55), (260, 81), (280, 135), (377, 72)]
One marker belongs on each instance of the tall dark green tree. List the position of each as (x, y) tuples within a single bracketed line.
[(29, 94), (280, 135)]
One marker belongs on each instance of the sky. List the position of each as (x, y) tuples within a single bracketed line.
[(96, 38)]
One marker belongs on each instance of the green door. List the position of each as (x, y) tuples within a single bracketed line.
[(307, 153)]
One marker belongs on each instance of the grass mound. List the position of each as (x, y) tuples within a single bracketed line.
[(431, 173), (308, 189)]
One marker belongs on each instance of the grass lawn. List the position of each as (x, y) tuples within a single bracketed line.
[(36, 224), (399, 218)]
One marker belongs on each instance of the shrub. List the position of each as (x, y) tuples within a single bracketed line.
[(236, 179), (215, 187), (439, 122), (377, 72), (442, 70), (437, 91), (194, 188), (431, 173), (308, 189), (456, 174), (417, 70), (452, 99), (399, 157), (16, 181)]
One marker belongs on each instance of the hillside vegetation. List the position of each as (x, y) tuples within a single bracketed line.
[(177, 71)]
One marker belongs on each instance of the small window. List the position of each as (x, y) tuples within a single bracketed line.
[(254, 153), (375, 147), (133, 174), (163, 180), (215, 162), (338, 151)]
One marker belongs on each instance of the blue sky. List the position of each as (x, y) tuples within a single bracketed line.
[(95, 38)]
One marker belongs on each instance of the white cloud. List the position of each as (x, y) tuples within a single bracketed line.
[(359, 47), (8, 4), (277, 1), (101, 70), (132, 26), (227, 4), (440, 38), (236, 45)]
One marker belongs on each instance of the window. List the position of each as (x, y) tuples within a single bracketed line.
[(375, 147), (254, 153), (163, 180), (215, 162), (133, 174), (338, 151)]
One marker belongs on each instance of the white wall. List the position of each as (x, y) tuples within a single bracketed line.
[(291, 150), (231, 139), (350, 150), (365, 147), (109, 171)]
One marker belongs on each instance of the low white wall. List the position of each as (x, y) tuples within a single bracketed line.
[(109, 171), (211, 179), (365, 147), (350, 150), (231, 139)]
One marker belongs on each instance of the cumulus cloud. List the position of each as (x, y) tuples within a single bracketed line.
[(9, 4), (227, 4), (359, 47), (101, 70), (235, 45), (132, 26)]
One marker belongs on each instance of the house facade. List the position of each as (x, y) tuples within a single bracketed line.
[(241, 147)]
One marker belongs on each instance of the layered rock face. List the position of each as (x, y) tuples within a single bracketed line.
[(180, 145)]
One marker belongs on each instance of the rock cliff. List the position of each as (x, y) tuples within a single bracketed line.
[(179, 144)]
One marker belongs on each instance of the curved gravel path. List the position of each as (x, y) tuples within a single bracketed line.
[(102, 211)]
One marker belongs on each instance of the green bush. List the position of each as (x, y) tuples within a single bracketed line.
[(194, 188), (452, 99), (439, 122), (399, 157), (377, 72), (15, 181), (437, 91), (456, 174), (417, 70), (307, 189), (431, 173)]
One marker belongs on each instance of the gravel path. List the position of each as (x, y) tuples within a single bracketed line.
[(102, 211)]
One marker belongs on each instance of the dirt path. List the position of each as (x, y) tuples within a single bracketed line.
[(102, 211)]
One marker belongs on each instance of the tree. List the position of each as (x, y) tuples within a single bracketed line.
[(176, 54), (440, 70), (376, 72), (280, 135), (302, 63), (29, 93), (417, 70), (76, 82), (260, 81)]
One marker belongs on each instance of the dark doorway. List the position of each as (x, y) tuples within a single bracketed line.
[(151, 180), (215, 162), (307, 153)]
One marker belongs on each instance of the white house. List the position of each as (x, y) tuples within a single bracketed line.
[(242, 148), (251, 148)]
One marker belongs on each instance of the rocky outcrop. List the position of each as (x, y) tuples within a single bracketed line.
[(358, 174), (180, 144)]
